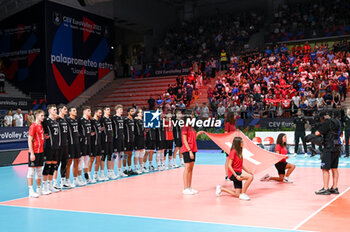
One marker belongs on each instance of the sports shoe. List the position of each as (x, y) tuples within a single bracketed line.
[(76, 182), (132, 172), (100, 179), (138, 171), (65, 184), (122, 174), (182, 164), (160, 168), (227, 179), (144, 170), (126, 172), (323, 191), (175, 166), (56, 186), (346, 156), (187, 192), (156, 168), (286, 179), (218, 190), (151, 168), (333, 191), (72, 185), (295, 154), (306, 155), (53, 189), (164, 167), (244, 197), (39, 191), (265, 178), (33, 194), (92, 180), (46, 191), (193, 190), (81, 181)]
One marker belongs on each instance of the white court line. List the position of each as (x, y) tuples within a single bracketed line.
[(320, 209), (149, 217)]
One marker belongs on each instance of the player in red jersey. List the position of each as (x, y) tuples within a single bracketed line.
[(36, 153)]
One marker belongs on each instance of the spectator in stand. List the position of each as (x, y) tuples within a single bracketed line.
[(213, 67), (151, 103), (210, 94), (8, 119), (221, 111), (30, 118), (18, 118), (223, 60), (159, 101), (204, 111), (2, 82)]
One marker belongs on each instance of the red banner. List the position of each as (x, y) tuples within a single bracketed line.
[(256, 159)]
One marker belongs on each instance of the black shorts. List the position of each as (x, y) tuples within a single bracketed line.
[(169, 144), (74, 151), (63, 153), (150, 144), (139, 143), (281, 168), (38, 162), (329, 160), (178, 142), (187, 158), (118, 145), (107, 149), (85, 149), (129, 146), (96, 150), (160, 145), (51, 154), (236, 183)]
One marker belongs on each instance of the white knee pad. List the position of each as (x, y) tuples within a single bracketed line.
[(39, 173), (159, 154), (162, 158), (31, 173), (137, 154), (80, 166), (142, 154), (86, 161)]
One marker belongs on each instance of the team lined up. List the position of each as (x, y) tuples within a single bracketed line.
[(60, 140)]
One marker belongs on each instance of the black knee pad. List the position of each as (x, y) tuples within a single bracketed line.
[(46, 169), (103, 157), (109, 157), (52, 169)]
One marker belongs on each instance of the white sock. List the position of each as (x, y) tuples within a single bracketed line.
[(119, 170), (30, 188), (96, 173), (129, 168)]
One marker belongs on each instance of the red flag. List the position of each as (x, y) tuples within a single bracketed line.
[(256, 159)]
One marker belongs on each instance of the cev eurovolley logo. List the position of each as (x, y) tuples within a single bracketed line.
[(151, 119)]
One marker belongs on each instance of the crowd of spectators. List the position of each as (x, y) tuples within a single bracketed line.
[(278, 82), (205, 37), (310, 19), (17, 119)]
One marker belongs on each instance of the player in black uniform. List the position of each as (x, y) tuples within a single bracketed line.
[(85, 143), (160, 145), (52, 143), (73, 147), (177, 139), (139, 143), (96, 145), (150, 147), (346, 126), (63, 150), (107, 144), (129, 133), (300, 126), (118, 139)]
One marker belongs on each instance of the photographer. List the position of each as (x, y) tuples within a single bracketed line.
[(331, 130)]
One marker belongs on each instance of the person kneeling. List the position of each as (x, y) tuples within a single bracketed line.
[(235, 166), (282, 166)]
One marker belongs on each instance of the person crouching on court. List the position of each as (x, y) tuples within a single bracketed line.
[(188, 149), (235, 166), (282, 166)]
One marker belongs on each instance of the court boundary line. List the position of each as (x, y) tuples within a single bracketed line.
[(148, 217), (320, 209)]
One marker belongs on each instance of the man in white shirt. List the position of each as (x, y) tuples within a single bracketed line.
[(204, 111), (8, 119), (18, 118)]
